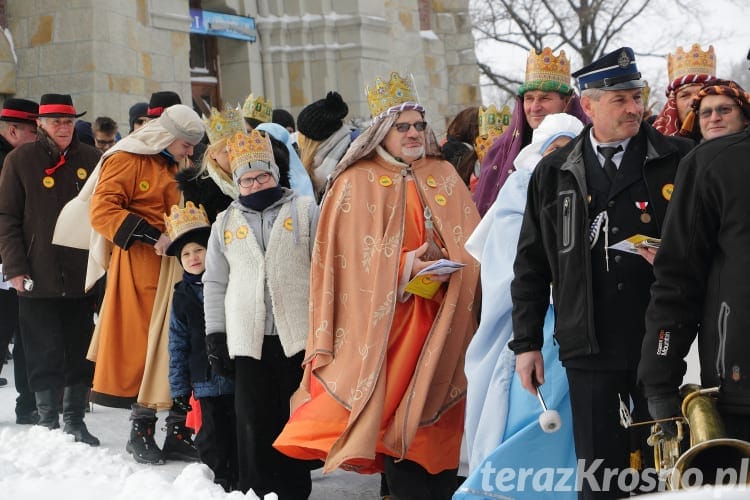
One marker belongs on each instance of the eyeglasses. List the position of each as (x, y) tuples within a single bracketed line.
[(722, 110), (261, 179), (404, 127)]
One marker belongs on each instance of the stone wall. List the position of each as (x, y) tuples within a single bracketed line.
[(110, 54), (107, 54)]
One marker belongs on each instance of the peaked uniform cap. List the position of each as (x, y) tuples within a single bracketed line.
[(614, 71)]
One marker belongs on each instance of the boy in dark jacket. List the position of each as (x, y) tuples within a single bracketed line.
[(189, 370)]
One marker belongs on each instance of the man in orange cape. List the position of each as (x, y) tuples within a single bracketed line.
[(383, 387)]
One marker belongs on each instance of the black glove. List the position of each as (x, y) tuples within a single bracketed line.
[(182, 404), (665, 406), (218, 355)]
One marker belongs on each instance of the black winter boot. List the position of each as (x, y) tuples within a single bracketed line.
[(141, 444), (75, 401), (46, 405), (178, 445)]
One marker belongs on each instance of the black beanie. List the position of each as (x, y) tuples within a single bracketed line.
[(283, 118), (137, 110), (321, 119)]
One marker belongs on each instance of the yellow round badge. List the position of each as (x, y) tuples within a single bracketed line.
[(385, 181), (81, 173), (144, 185), (431, 181), (242, 232), (48, 182), (440, 199), (288, 224), (227, 237), (666, 191)]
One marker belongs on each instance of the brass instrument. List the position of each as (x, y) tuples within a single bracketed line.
[(712, 457), (711, 452)]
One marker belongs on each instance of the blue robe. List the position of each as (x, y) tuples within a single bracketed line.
[(502, 432)]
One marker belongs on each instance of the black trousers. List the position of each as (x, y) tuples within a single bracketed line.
[(597, 431), (56, 334), (407, 480), (217, 440), (261, 399), (8, 320)]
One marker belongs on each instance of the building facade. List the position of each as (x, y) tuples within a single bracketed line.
[(110, 54)]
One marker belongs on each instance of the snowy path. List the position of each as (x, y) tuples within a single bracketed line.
[(37, 464)]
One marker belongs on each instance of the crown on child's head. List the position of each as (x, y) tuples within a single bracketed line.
[(257, 108), (693, 62), (223, 124), (245, 149), (392, 92), (182, 220), (492, 123)]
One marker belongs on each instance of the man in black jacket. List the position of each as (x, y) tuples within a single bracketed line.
[(55, 314), (701, 285), (17, 126), (610, 183)]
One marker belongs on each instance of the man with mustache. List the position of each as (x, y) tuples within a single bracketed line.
[(613, 181)]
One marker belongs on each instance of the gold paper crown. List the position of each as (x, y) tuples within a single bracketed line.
[(257, 108), (394, 91), (181, 220), (223, 124), (492, 119), (693, 62), (245, 149), (546, 67), (492, 124)]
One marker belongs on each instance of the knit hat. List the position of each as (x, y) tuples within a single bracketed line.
[(283, 118), (319, 120), (137, 110), (186, 225), (84, 132), (19, 110), (251, 151), (183, 123), (160, 101)]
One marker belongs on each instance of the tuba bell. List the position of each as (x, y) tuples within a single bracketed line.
[(712, 457)]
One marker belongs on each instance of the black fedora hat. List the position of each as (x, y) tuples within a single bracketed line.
[(56, 106), (160, 101), (19, 110)]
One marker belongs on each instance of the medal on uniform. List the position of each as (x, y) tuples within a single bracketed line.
[(645, 216)]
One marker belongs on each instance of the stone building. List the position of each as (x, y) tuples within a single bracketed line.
[(110, 54)]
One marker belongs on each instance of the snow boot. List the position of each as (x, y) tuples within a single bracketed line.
[(178, 445), (46, 405), (75, 401), (141, 443)]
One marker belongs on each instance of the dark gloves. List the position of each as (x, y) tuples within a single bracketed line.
[(182, 404), (665, 406), (218, 355)]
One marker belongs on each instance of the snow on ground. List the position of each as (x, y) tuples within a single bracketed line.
[(38, 464)]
